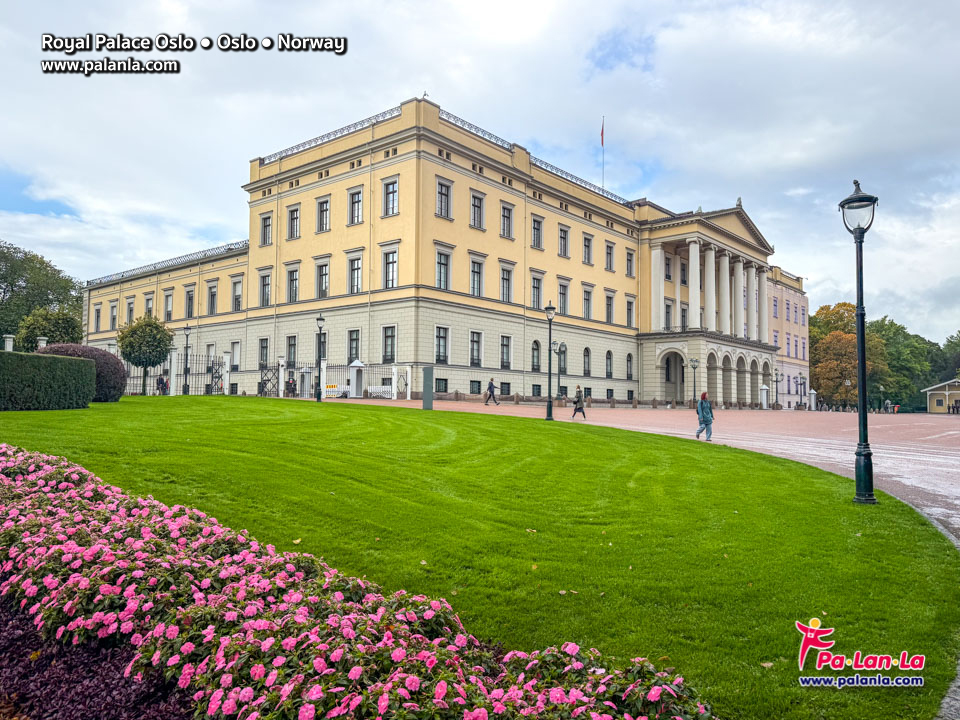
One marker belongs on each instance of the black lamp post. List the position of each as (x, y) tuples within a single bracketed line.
[(186, 360), (803, 389), (559, 350), (857, 210), (880, 405), (550, 311), (694, 364), (776, 382), (319, 392)]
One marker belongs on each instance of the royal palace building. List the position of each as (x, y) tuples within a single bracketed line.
[(424, 240)]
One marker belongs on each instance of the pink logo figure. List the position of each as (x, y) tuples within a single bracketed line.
[(813, 636)]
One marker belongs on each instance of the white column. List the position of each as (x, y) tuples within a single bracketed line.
[(393, 389), (764, 310), (323, 378), (175, 387), (656, 288), (725, 293), (227, 357), (710, 288), (752, 303), (738, 297), (41, 342), (693, 285), (8, 343)]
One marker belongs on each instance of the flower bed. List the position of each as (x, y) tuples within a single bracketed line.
[(253, 634)]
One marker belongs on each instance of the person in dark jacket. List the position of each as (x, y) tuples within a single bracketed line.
[(705, 416), (491, 390), (578, 403)]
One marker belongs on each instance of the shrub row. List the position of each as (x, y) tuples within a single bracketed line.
[(253, 634), (111, 373), (45, 382)]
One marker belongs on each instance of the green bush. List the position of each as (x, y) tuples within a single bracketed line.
[(45, 382)]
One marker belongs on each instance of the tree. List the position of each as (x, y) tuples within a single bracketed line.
[(28, 282), (951, 357), (145, 343), (908, 358), (830, 318), (832, 364), (58, 326)]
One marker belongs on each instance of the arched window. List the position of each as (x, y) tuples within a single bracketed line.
[(562, 360), (535, 356), (586, 362), (629, 366), (609, 364)]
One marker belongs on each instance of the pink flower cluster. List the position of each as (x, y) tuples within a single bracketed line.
[(256, 635)]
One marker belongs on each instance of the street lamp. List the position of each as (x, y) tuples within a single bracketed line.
[(694, 364), (559, 350), (776, 381), (550, 311), (880, 407), (857, 210), (319, 392), (803, 388), (186, 359)]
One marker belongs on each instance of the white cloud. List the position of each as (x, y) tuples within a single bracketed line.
[(780, 103)]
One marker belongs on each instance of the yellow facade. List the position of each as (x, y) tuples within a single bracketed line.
[(306, 222)]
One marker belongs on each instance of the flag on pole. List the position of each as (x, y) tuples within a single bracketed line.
[(602, 123)]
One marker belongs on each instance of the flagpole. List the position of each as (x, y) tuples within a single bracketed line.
[(603, 154)]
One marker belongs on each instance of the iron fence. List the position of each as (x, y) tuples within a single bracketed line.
[(198, 375)]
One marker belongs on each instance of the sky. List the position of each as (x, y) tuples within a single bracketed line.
[(782, 104)]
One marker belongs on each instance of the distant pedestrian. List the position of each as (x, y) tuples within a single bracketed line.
[(578, 404), (159, 384), (491, 393), (705, 416)]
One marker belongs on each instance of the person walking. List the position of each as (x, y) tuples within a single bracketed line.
[(491, 390), (705, 416), (578, 404)]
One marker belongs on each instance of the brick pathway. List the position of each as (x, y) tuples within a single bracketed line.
[(915, 457)]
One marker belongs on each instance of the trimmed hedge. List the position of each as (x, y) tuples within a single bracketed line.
[(45, 382), (111, 373)]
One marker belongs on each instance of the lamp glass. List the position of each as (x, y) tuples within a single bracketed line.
[(320, 322), (551, 311), (857, 209)]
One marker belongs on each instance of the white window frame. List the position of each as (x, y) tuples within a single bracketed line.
[(350, 193), (509, 209), (385, 277), (291, 209), (321, 226), (392, 180), (269, 240), (449, 185), (482, 197)]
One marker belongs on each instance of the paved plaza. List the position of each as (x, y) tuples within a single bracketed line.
[(916, 457)]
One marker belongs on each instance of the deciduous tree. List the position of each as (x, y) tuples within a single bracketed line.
[(27, 282), (58, 326), (145, 343)]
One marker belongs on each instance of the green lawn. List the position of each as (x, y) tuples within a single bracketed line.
[(702, 553)]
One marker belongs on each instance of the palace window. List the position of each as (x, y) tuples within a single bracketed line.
[(323, 280), (442, 334), (168, 307), (587, 304), (536, 234), (629, 263), (353, 346), (587, 249), (264, 290), (293, 285), (609, 367), (356, 207), (476, 211), (506, 221), (189, 304), (563, 247), (390, 343), (535, 356), (586, 362), (237, 294), (476, 278), (390, 202), (608, 260), (293, 222), (609, 308), (504, 354), (629, 313), (266, 229), (476, 340), (323, 215), (629, 366), (506, 284), (211, 300), (562, 299), (389, 269), (443, 271), (356, 279), (443, 199), (536, 292)]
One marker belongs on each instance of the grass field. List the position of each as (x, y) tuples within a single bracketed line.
[(540, 533)]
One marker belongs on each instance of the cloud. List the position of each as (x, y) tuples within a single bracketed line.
[(782, 104)]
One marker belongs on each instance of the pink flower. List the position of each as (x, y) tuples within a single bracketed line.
[(398, 654), (172, 632), (279, 660), (314, 693), (412, 682), (654, 693), (173, 661), (461, 641), (307, 712), (355, 672), (336, 655), (440, 691), (383, 703), (267, 644), (271, 678), (226, 681), (230, 706), (570, 648), (187, 648), (246, 695), (257, 672), (478, 714)]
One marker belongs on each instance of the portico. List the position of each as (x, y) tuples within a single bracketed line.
[(708, 295)]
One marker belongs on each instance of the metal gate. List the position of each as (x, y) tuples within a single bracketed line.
[(269, 384), (134, 385), (198, 375)]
